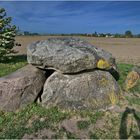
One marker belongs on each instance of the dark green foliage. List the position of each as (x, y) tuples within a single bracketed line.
[(93, 136), (7, 34), (83, 124), (96, 116), (128, 34)]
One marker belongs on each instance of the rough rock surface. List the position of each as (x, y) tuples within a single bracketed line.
[(69, 55), (90, 90), (132, 78), (136, 69), (20, 88)]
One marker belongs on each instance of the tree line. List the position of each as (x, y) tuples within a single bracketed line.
[(127, 34)]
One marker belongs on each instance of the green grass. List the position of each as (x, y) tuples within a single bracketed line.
[(14, 125), (12, 64), (124, 69), (83, 124), (133, 100), (93, 135), (97, 115), (33, 118)]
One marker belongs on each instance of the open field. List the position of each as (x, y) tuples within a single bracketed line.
[(126, 50)]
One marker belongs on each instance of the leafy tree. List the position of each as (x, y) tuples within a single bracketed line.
[(128, 34), (7, 34), (102, 35), (118, 35)]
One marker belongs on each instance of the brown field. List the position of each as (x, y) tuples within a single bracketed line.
[(125, 50)]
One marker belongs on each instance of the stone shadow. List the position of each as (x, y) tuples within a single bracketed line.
[(112, 71), (123, 126)]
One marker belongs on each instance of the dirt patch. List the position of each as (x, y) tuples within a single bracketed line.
[(42, 134)]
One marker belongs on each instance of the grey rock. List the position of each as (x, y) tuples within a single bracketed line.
[(136, 69), (20, 88), (115, 109), (69, 55), (132, 79), (91, 90)]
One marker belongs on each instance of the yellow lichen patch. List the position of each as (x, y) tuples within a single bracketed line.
[(97, 103), (102, 64), (104, 81), (121, 95), (131, 80), (113, 98)]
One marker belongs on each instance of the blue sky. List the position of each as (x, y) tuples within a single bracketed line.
[(75, 16)]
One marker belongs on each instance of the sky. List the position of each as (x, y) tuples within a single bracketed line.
[(74, 16)]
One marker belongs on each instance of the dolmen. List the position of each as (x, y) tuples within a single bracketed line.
[(76, 75)]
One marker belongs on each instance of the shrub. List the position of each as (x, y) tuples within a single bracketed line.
[(7, 34)]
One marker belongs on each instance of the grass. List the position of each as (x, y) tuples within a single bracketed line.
[(124, 69), (83, 124), (133, 100), (12, 64), (34, 118), (93, 135), (15, 125)]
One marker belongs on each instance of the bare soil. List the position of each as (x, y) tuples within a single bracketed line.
[(125, 50)]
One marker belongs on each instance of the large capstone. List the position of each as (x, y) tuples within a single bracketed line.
[(21, 88), (69, 55), (90, 90)]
